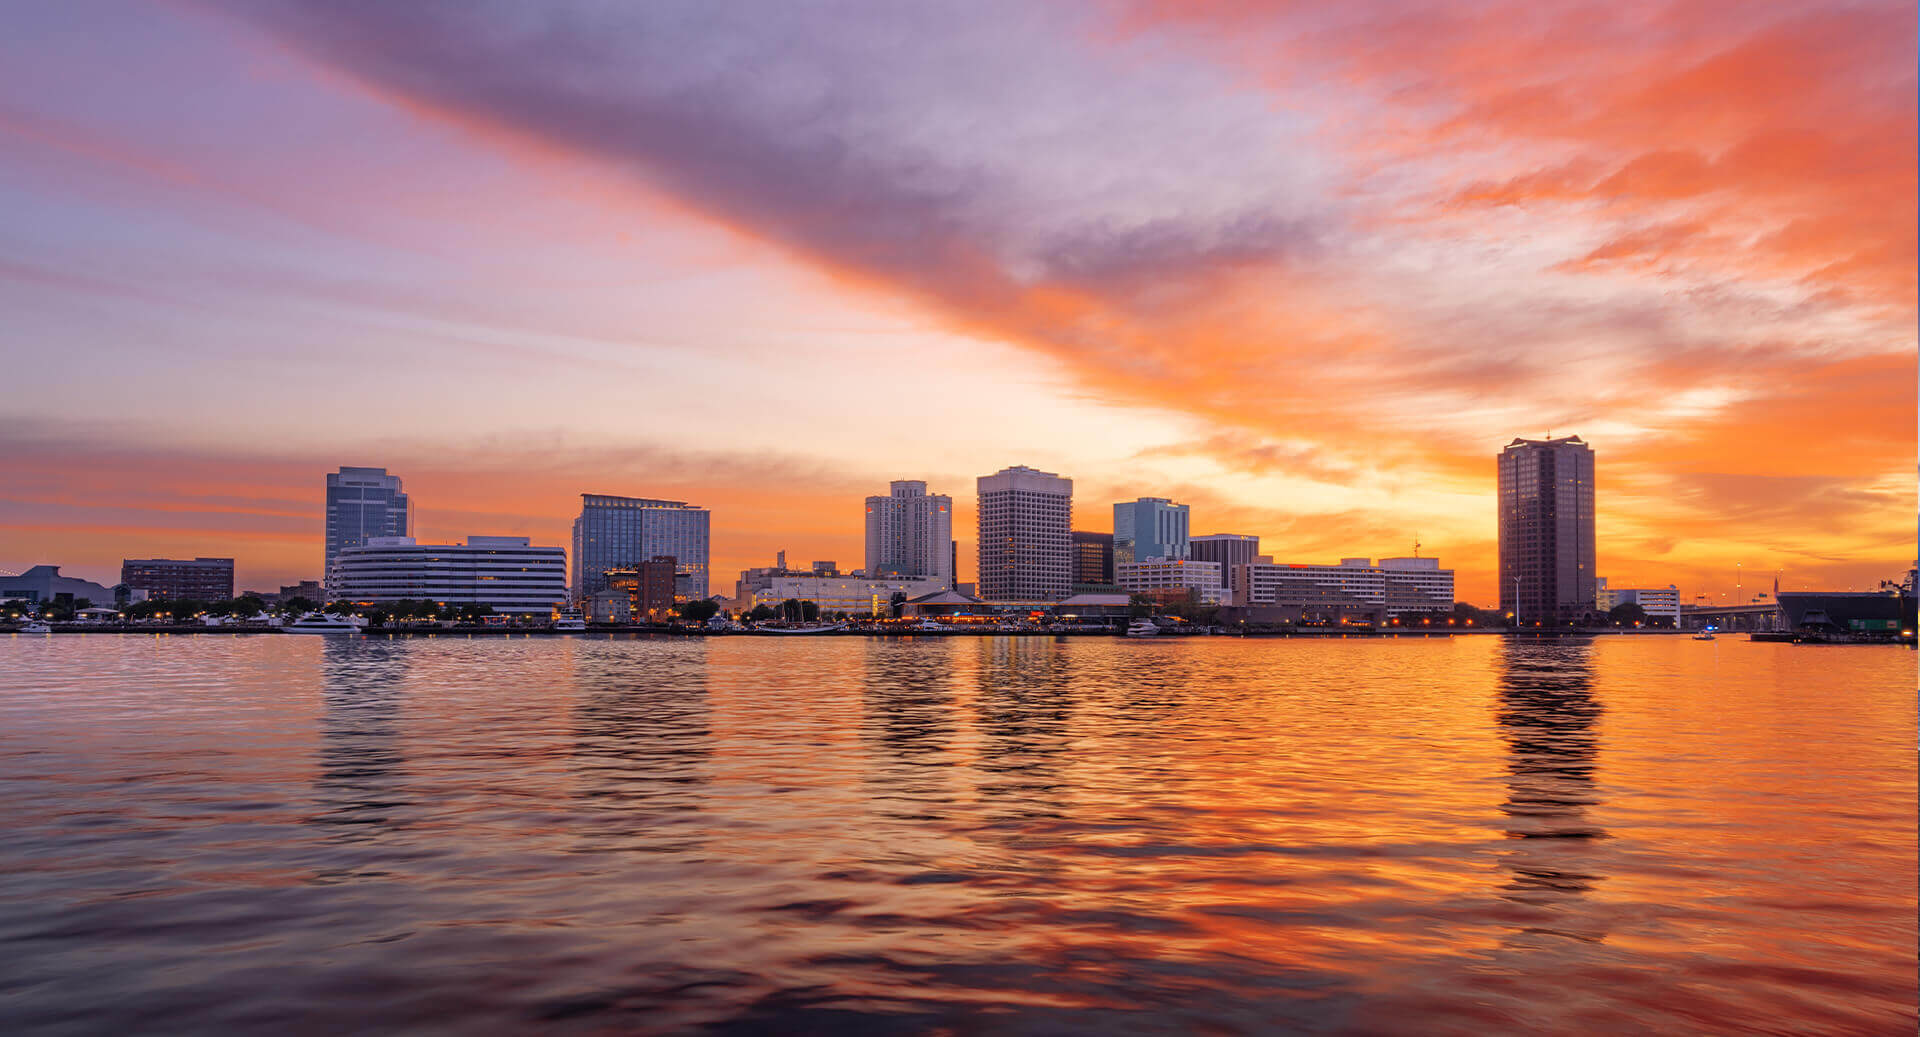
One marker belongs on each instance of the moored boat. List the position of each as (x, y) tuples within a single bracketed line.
[(321, 623), (1143, 627)]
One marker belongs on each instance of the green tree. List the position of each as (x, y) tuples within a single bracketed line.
[(761, 612), (699, 610), (248, 606), (1626, 614), (299, 606)]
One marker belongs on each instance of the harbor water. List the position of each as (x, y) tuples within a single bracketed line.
[(1464, 835)]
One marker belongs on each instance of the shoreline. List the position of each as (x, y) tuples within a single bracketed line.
[(630, 632)]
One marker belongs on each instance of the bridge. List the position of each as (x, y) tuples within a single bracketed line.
[(1759, 615)]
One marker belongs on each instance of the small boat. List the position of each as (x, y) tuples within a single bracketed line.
[(570, 621), (928, 624), (1143, 627), (1704, 635), (36, 627), (321, 623)]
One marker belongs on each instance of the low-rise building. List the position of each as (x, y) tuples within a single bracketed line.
[(1661, 603), (854, 595), (1397, 585), (506, 574), (43, 584), (652, 587), (1168, 578), (179, 579)]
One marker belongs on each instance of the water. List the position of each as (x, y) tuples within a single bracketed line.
[(970, 835)]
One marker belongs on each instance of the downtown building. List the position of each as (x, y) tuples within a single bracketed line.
[(178, 579), (506, 574), (1092, 559), (1546, 530), (1232, 552), (1172, 580), (1151, 527), (833, 592), (621, 532), (910, 534), (1656, 602), (1356, 588), (363, 503), (1026, 531)]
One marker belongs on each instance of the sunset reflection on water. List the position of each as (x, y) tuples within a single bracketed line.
[(1016, 834)]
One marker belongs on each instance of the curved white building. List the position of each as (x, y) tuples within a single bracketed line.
[(507, 574)]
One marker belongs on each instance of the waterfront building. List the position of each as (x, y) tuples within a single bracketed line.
[(1232, 552), (1169, 578), (910, 533), (854, 595), (363, 503), (179, 579), (650, 586), (507, 574), (44, 584), (1151, 527), (308, 589), (621, 532), (1395, 586), (1092, 558), (1656, 602), (1547, 552), (1026, 525)]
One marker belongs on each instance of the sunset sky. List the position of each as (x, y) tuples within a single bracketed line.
[(1305, 267)]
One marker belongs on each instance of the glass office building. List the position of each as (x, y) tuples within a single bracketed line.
[(622, 532), (363, 503)]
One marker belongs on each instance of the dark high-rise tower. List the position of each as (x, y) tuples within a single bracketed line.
[(1546, 529)]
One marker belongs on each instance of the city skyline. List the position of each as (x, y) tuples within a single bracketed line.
[(1311, 315)]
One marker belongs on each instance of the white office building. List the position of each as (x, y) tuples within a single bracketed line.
[(507, 574), (1656, 602), (1163, 575), (1398, 584), (910, 534), (1026, 534), (853, 595)]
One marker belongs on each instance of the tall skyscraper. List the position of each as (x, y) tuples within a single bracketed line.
[(622, 532), (1026, 525), (1151, 527), (910, 533), (1092, 558), (1231, 551), (363, 503), (1546, 529)]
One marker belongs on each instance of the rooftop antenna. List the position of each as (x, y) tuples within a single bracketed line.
[(1416, 544)]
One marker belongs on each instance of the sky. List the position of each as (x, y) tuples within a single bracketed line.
[(1304, 267)]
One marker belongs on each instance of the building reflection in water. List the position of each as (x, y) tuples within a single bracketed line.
[(1023, 702), (642, 745), (1548, 717), (908, 724), (361, 784)]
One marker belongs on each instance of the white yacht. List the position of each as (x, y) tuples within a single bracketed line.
[(1143, 627), (570, 621), (36, 627), (321, 623)]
